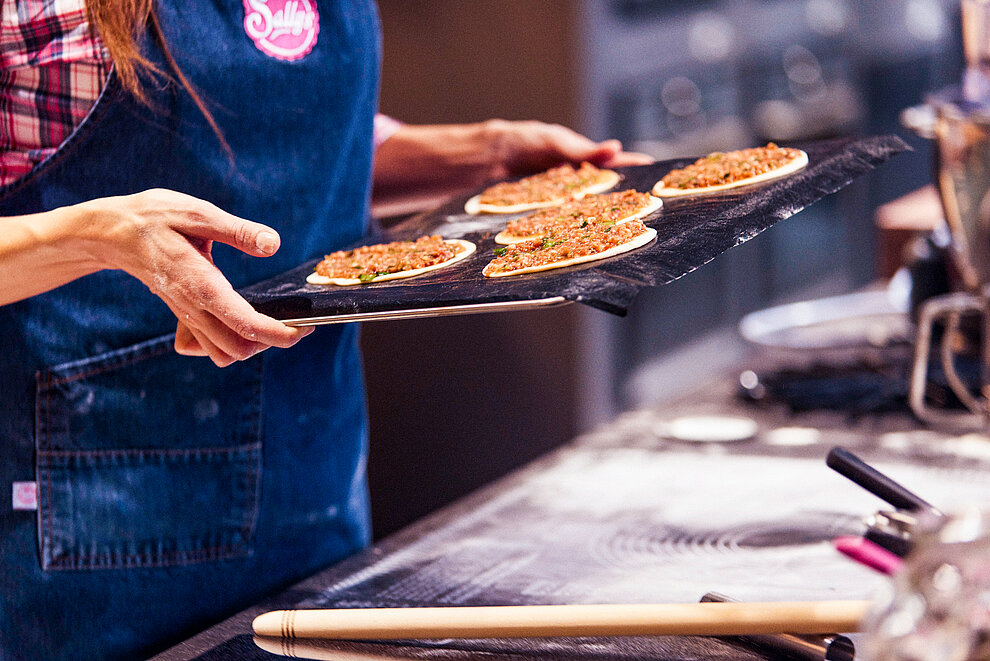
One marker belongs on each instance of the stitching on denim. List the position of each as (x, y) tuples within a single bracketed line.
[(165, 559), (112, 364), (74, 561), (152, 452), (254, 469), (38, 431), (48, 476), (164, 554), (251, 477), (46, 383), (116, 362)]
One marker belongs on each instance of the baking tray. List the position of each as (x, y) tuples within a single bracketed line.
[(690, 233)]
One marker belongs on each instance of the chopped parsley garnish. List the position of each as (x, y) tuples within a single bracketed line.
[(500, 251), (368, 277)]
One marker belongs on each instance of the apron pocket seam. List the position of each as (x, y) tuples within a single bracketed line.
[(115, 559), (121, 483)]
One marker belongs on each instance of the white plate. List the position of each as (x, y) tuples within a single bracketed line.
[(710, 429), (870, 318)]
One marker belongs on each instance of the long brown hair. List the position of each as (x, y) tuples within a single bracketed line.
[(119, 24)]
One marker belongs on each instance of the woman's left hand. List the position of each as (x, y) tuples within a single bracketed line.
[(526, 147), (421, 165)]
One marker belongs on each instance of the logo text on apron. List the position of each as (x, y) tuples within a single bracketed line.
[(283, 29)]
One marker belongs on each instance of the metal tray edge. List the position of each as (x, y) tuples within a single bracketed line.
[(440, 311)]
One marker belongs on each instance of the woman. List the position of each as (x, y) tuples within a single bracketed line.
[(153, 492)]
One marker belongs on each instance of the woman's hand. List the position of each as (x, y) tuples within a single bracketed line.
[(421, 165), (164, 239), (521, 148)]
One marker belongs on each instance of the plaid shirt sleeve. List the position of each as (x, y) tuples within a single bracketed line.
[(52, 70)]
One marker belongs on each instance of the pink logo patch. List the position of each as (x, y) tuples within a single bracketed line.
[(283, 29), (25, 496)]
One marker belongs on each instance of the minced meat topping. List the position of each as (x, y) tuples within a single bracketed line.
[(557, 183), (368, 262), (606, 208), (563, 244), (728, 167)]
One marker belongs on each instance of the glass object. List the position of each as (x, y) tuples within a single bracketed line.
[(938, 606)]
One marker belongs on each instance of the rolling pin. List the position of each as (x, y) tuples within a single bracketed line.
[(697, 619)]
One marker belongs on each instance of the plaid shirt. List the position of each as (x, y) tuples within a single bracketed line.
[(51, 72), (52, 69)]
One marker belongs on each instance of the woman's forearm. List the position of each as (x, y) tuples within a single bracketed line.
[(419, 166), (162, 238), (42, 251)]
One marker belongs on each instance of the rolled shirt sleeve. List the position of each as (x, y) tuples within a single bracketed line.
[(385, 128)]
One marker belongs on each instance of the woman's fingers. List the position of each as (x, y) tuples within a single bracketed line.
[(247, 236), (204, 220), (200, 221), (611, 155), (212, 339), (608, 153), (186, 343), (236, 324), (211, 310), (532, 146), (205, 347)]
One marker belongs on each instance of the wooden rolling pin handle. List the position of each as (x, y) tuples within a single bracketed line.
[(698, 619)]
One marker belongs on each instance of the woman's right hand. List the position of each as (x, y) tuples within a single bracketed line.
[(164, 239)]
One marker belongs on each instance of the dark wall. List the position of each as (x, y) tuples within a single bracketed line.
[(457, 402), (469, 61)]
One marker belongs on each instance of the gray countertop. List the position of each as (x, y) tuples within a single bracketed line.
[(623, 514)]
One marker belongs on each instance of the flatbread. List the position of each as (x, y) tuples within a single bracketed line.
[(607, 180), (655, 203), (638, 241), (468, 249), (799, 161)]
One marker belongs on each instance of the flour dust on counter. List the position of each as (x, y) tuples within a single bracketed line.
[(634, 525)]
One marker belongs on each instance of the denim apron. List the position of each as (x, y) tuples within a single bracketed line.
[(171, 493)]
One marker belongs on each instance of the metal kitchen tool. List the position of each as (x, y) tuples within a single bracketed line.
[(959, 122), (879, 484), (949, 311), (890, 530), (938, 607), (791, 647), (691, 233), (962, 135)]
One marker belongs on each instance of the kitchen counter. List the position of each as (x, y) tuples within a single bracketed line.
[(625, 514)]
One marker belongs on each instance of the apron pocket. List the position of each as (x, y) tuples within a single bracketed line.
[(146, 458)]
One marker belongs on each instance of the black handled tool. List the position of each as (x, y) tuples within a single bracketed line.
[(896, 544), (849, 465)]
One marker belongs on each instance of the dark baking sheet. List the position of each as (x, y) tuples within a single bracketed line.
[(691, 232)]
